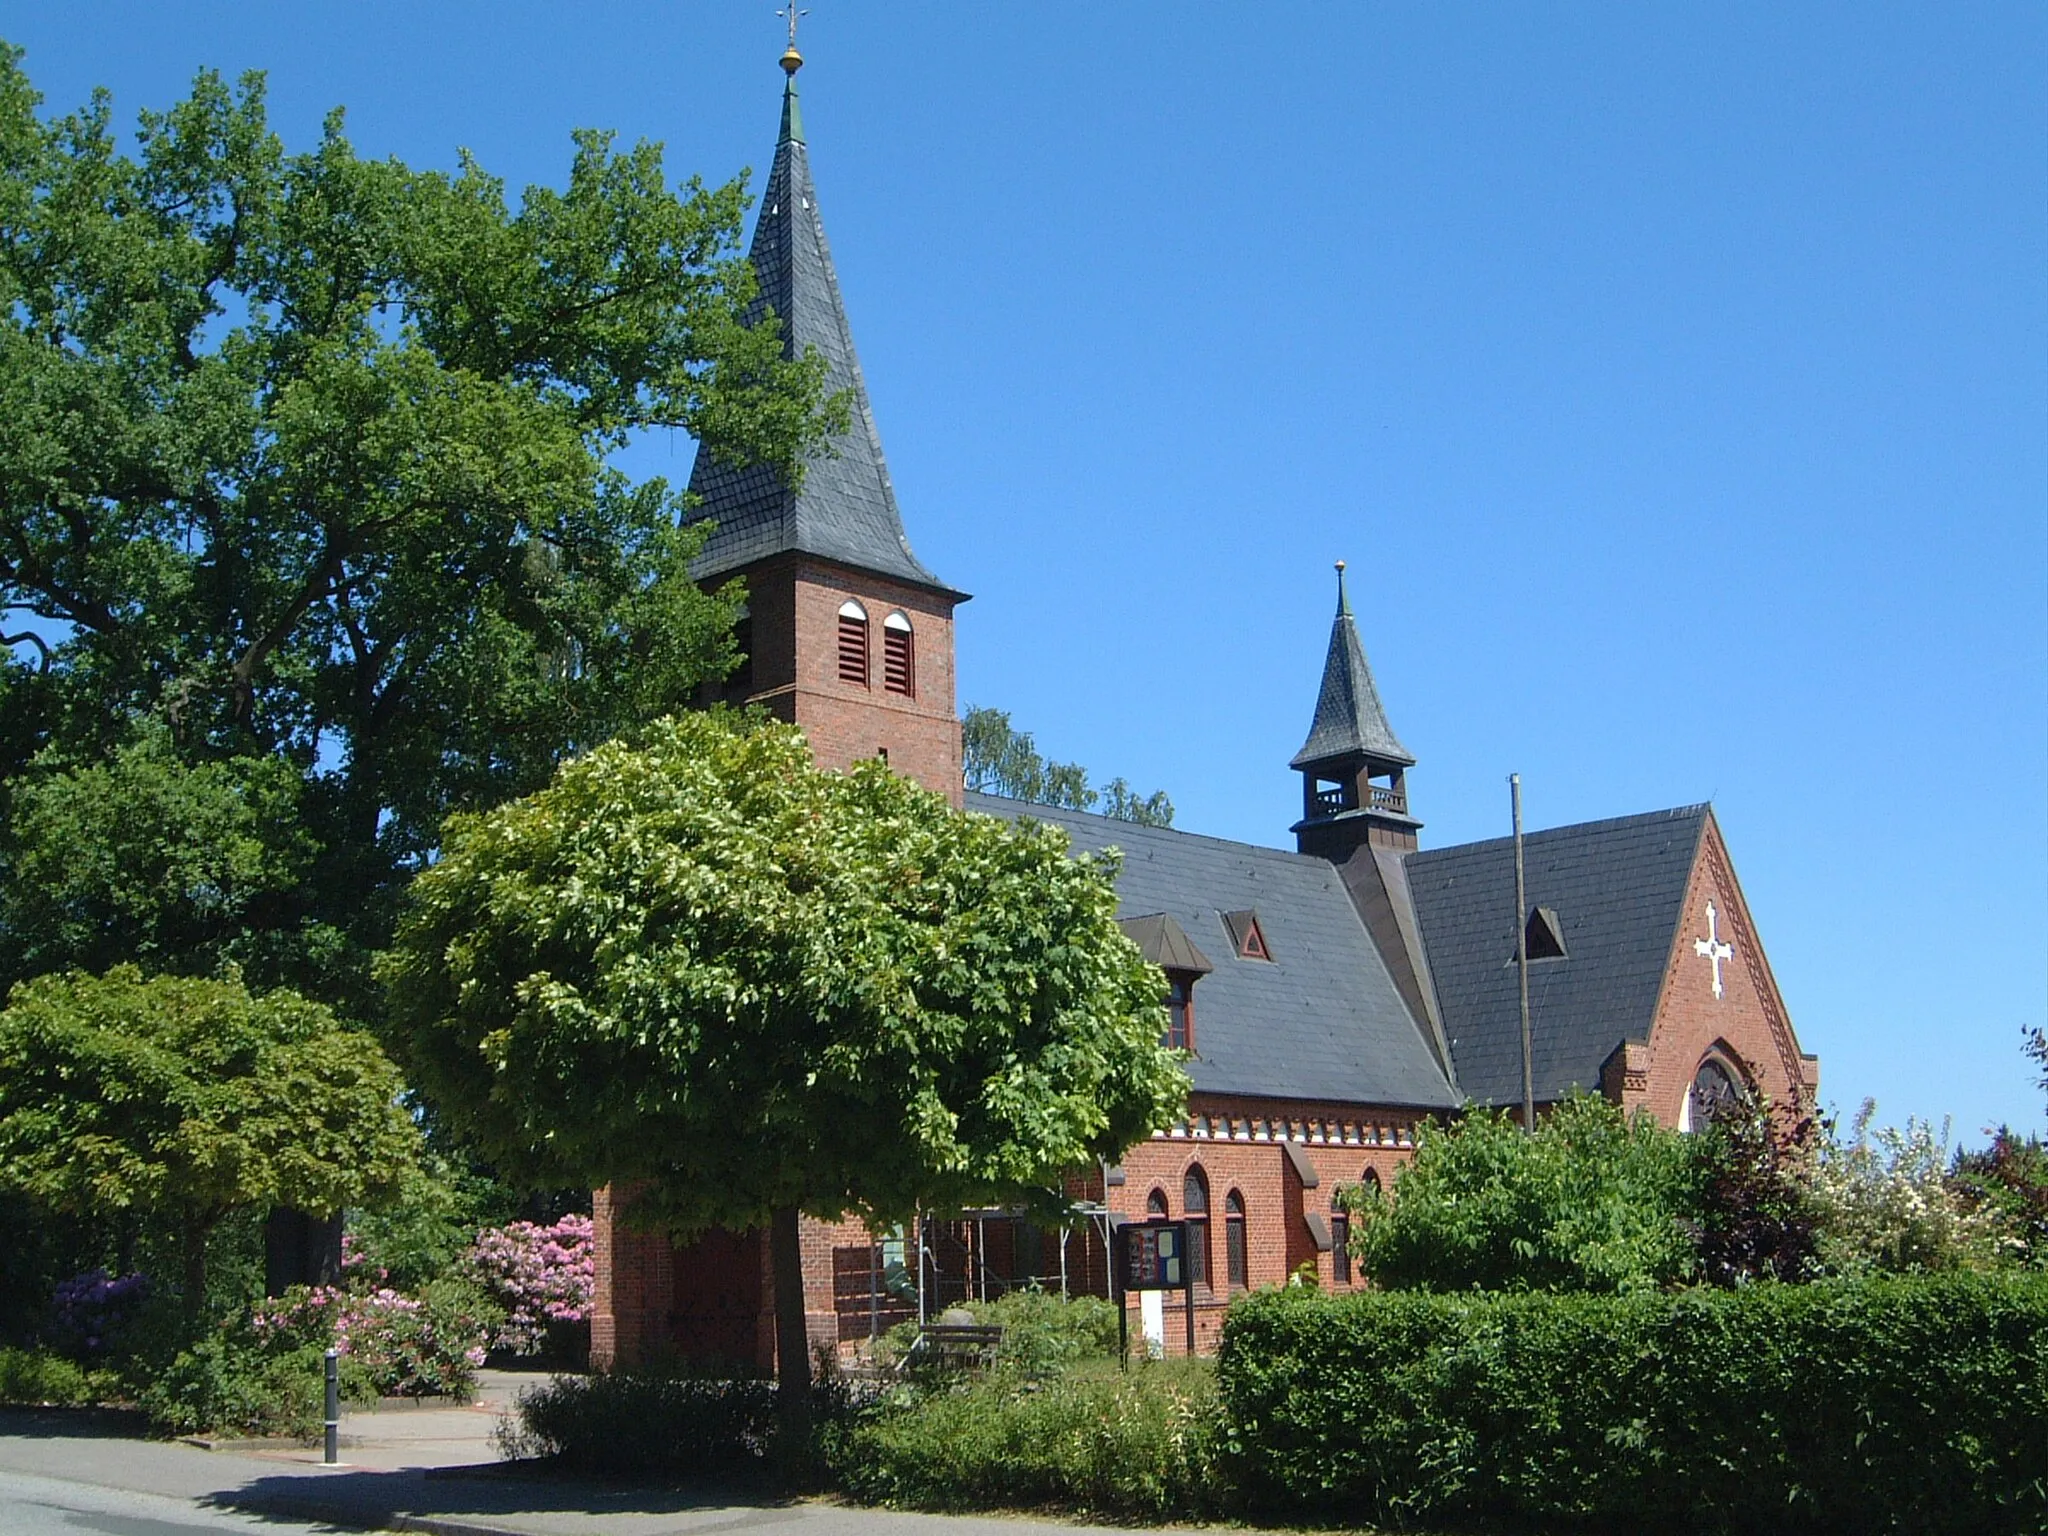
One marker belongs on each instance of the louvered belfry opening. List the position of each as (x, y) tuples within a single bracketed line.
[(853, 644), (899, 656)]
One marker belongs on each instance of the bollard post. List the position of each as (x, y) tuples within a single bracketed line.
[(332, 1457)]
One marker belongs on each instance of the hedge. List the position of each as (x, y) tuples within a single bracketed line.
[(1877, 1405)]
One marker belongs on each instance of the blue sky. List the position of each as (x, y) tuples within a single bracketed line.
[(1674, 378)]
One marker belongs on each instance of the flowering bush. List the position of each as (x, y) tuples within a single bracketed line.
[(90, 1312), (2009, 1180), (539, 1275), (392, 1345), (1886, 1204)]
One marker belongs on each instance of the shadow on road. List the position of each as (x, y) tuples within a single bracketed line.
[(480, 1492)]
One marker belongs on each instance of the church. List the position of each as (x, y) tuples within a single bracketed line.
[(1332, 997)]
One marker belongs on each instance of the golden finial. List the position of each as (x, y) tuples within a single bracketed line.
[(792, 61)]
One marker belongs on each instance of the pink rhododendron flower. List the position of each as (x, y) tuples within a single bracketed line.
[(539, 1274)]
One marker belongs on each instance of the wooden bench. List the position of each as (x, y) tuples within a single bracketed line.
[(954, 1347)]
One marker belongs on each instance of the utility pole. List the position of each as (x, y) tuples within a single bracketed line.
[(1522, 958)]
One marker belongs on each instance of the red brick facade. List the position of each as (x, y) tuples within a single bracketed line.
[(1242, 1145), (793, 608)]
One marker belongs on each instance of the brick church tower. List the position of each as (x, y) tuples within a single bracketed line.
[(847, 634)]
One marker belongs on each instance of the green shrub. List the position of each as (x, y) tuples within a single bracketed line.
[(230, 1383), (1042, 1333), (1909, 1404), (2009, 1181), (1592, 1202), (1140, 1446), (43, 1378), (646, 1421)]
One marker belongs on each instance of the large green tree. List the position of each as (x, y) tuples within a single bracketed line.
[(743, 988), (307, 458), (187, 1099)]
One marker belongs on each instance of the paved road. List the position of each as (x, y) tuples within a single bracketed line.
[(64, 1474), (42, 1506)]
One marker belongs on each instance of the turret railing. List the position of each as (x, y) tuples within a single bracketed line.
[(1335, 800)]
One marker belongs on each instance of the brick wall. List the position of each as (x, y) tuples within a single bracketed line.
[(634, 1292), (793, 609), (1238, 1144)]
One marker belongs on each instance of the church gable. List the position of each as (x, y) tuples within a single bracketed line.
[(1719, 1011), (1608, 892)]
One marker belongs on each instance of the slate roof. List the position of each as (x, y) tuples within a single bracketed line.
[(1350, 720), (846, 510), (1618, 889), (1321, 1019)]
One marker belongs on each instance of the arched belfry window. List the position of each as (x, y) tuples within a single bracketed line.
[(1233, 1240), (853, 644), (1194, 1201), (899, 655)]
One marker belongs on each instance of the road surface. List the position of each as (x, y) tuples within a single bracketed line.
[(41, 1506)]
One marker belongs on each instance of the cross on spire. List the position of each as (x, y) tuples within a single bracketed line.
[(1712, 947), (792, 13)]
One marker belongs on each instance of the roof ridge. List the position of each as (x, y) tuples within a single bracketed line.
[(1052, 812), (1607, 823)]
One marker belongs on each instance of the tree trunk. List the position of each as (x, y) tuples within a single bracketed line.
[(792, 1337), (193, 1242)]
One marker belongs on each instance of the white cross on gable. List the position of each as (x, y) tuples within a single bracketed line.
[(1712, 948)]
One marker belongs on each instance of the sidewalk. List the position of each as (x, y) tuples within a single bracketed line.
[(435, 1471)]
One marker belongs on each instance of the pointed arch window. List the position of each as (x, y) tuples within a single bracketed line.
[(1233, 1240), (1155, 1205), (899, 655), (853, 644), (1716, 1083), (1194, 1201), (1340, 1239)]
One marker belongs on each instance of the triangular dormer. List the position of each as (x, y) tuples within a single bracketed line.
[(1247, 938)]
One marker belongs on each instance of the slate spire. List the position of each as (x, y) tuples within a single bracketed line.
[(846, 510), (1350, 721)]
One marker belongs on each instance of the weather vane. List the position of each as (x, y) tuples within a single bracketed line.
[(792, 61)]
